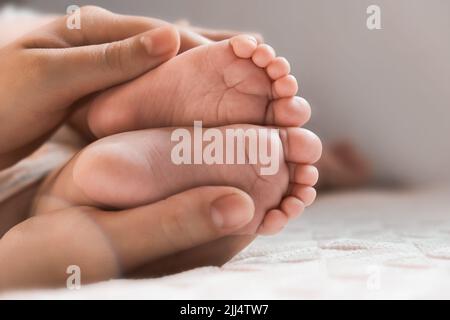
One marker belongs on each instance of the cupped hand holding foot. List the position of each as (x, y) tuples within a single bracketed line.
[(129, 170), (39, 251)]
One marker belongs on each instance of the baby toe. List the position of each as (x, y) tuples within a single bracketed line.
[(285, 87), (263, 55), (278, 68), (292, 207), (244, 46), (306, 175), (274, 221), (306, 194)]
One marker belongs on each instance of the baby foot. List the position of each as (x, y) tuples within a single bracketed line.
[(229, 82), (135, 168)]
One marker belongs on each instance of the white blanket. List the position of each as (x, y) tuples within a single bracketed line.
[(366, 244)]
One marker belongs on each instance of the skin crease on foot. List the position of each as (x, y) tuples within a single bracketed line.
[(229, 82), (140, 163)]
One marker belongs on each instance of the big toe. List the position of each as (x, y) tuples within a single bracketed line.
[(301, 145)]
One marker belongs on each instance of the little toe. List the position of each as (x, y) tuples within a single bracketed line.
[(263, 55), (274, 221), (290, 112), (306, 175), (285, 87), (278, 68), (300, 145), (292, 207), (305, 193), (244, 46)]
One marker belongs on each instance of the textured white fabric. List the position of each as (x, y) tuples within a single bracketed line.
[(366, 244)]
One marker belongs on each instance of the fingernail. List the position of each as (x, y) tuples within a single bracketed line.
[(231, 211), (159, 41)]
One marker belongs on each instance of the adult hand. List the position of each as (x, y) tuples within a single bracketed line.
[(105, 245), (43, 73)]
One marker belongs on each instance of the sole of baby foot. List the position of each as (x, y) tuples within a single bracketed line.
[(229, 82), (141, 164)]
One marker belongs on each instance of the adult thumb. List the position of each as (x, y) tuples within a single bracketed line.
[(87, 69), (180, 222)]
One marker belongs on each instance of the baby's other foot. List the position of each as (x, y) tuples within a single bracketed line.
[(136, 168), (230, 82)]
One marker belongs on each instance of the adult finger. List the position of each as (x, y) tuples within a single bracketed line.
[(178, 223), (79, 71)]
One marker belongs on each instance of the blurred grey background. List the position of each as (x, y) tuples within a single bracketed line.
[(386, 90)]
